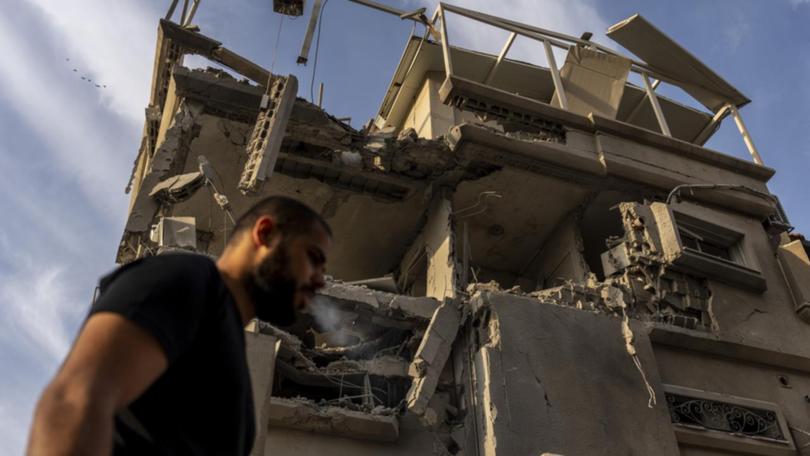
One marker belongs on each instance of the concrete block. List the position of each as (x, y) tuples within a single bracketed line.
[(337, 421)]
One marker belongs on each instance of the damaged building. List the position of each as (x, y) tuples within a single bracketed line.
[(528, 259)]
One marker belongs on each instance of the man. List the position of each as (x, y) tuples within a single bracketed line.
[(159, 366)]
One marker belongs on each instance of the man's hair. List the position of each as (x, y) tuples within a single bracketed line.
[(292, 217)]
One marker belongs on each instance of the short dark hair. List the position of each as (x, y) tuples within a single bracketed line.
[(291, 216)]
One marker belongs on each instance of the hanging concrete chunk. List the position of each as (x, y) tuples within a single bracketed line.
[(432, 355), (796, 266), (268, 133), (177, 188), (594, 81)]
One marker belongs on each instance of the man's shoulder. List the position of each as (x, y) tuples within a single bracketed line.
[(181, 261), (172, 267)]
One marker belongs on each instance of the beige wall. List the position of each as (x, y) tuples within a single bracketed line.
[(430, 117), (767, 320), (561, 256), (737, 378)]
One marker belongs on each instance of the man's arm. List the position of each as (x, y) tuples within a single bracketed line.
[(112, 363)]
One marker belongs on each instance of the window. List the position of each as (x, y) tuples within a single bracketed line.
[(706, 250), (709, 239), (729, 423)]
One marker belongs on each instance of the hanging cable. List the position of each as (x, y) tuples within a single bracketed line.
[(275, 47), (315, 60)]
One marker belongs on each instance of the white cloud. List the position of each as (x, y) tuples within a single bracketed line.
[(89, 142), (113, 42), (738, 30), (38, 304)]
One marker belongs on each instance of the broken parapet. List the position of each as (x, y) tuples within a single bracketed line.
[(432, 355), (167, 161), (304, 415)]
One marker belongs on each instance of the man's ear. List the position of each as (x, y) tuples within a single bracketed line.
[(263, 231)]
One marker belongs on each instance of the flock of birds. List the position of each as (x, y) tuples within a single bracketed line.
[(87, 78)]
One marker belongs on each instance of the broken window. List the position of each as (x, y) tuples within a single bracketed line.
[(709, 239), (707, 250)]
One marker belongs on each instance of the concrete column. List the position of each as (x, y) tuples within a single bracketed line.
[(261, 357), (439, 244)]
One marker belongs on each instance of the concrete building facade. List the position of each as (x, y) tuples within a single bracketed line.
[(527, 259)]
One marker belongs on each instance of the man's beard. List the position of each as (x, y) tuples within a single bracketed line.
[(272, 289)]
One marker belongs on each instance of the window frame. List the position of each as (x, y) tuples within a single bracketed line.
[(709, 438), (737, 271)]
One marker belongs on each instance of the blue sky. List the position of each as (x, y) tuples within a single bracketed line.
[(66, 147)]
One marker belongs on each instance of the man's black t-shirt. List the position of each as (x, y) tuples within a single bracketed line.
[(202, 404)]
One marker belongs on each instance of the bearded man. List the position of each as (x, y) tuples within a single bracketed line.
[(159, 366)]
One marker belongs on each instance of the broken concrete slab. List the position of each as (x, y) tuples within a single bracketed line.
[(360, 298), (539, 390), (337, 421), (177, 188), (431, 356), (385, 366)]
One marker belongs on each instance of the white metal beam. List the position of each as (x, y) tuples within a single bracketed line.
[(749, 143), (448, 64), (659, 114), (501, 56), (554, 38), (711, 126), (183, 13), (191, 13), (555, 75), (170, 13)]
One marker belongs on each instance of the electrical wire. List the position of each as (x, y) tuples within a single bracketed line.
[(317, 47), (741, 188), (275, 47)]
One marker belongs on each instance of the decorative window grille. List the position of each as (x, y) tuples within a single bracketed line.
[(732, 424), (724, 417)]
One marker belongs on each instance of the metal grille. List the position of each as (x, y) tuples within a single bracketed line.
[(724, 417)]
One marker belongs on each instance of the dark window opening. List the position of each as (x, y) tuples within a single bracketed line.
[(704, 246), (709, 239)]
